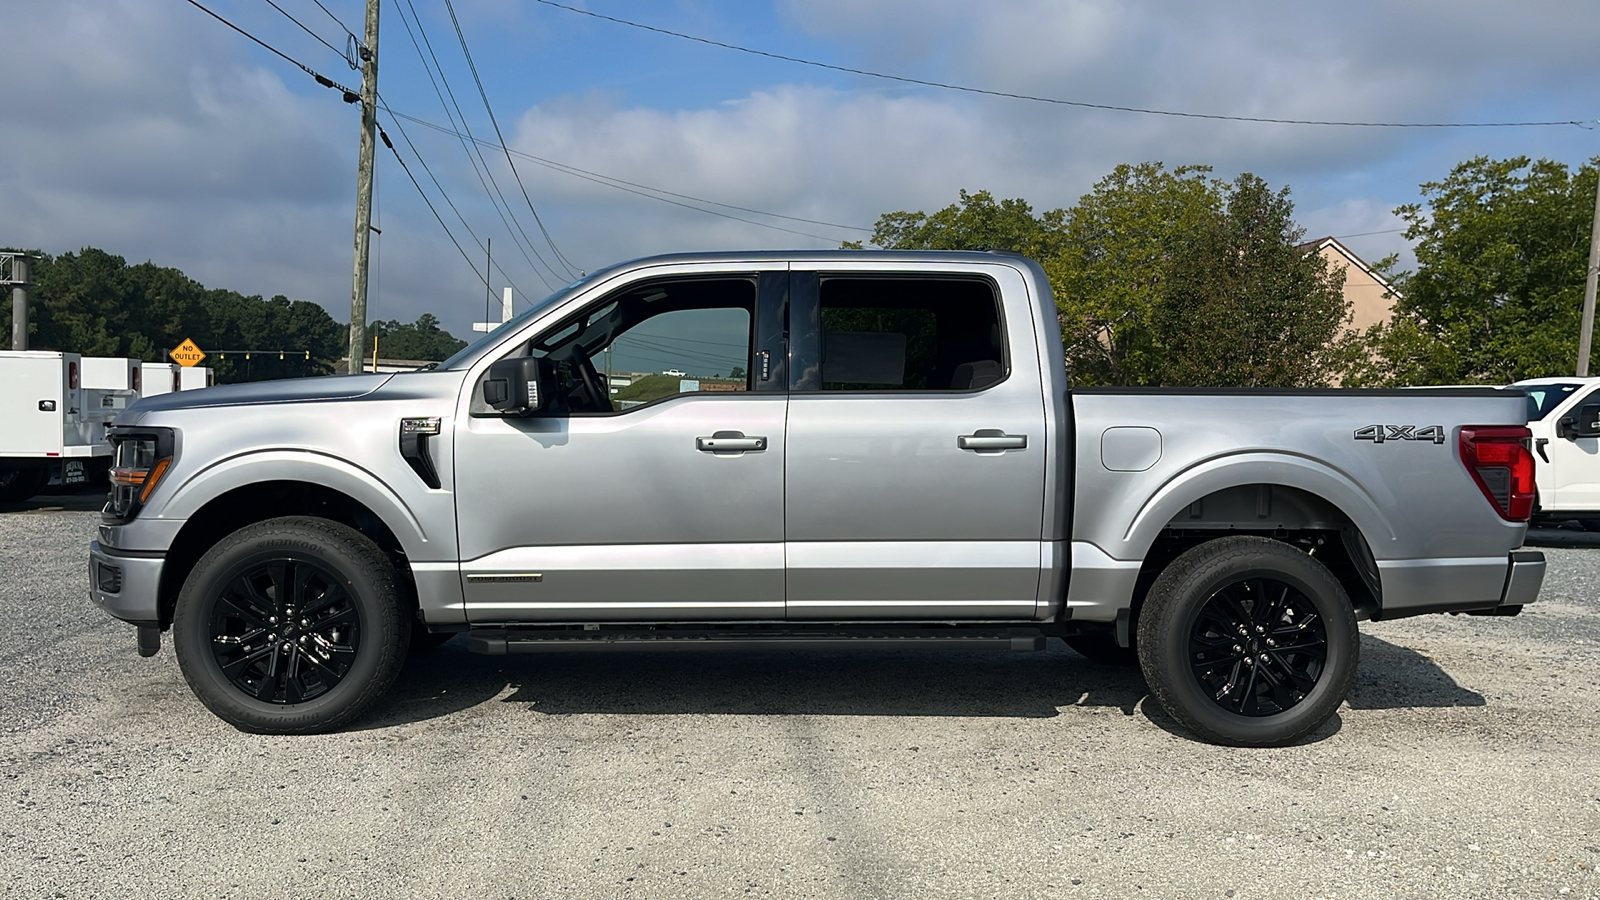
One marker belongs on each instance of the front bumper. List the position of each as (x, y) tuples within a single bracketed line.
[(126, 584)]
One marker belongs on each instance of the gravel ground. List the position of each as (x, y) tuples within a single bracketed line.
[(1463, 766)]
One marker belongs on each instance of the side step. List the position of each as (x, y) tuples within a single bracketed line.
[(532, 640)]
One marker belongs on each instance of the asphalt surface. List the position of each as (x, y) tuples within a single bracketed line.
[(1464, 765)]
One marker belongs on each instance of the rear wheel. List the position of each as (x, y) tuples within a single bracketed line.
[(291, 626), (1248, 641)]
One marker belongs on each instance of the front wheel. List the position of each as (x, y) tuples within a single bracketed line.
[(1248, 641), (291, 626)]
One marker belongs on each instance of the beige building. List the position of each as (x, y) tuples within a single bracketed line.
[(1371, 297)]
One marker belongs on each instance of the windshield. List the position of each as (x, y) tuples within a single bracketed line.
[(467, 354), (1542, 398)]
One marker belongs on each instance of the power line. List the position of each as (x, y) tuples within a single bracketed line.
[(349, 95), (1052, 100), (470, 264), (617, 184), (303, 27), (522, 243), (571, 269), (424, 163), (352, 97), (337, 21)]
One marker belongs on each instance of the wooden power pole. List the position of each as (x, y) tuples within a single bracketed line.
[(1587, 328), (369, 125)]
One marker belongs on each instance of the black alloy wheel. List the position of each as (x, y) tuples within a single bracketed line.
[(291, 626), (1258, 647), (1248, 641), (285, 631)]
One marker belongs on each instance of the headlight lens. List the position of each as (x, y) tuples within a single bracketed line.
[(141, 458)]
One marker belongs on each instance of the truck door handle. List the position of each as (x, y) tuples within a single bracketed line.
[(992, 439), (729, 442)]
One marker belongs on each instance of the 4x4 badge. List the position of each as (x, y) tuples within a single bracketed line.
[(1380, 433)]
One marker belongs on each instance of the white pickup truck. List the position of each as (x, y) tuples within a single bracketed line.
[(1564, 417)]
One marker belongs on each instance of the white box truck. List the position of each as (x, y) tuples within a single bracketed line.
[(43, 437), (195, 377), (159, 378)]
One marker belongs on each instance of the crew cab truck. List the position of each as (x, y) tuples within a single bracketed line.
[(906, 467)]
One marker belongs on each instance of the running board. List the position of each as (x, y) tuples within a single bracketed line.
[(502, 642)]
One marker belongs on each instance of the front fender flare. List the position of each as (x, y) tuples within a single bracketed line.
[(309, 466)]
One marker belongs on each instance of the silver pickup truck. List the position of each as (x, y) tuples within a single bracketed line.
[(880, 450)]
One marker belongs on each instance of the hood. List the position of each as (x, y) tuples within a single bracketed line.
[(289, 390)]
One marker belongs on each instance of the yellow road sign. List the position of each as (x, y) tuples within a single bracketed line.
[(187, 354)]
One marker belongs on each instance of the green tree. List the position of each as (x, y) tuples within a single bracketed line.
[(1120, 240), (92, 302), (1502, 248), (419, 340), (1240, 304), (975, 222)]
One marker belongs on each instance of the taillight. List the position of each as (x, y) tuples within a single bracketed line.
[(177, 380), (1498, 459), (135, 374), (72, 376)]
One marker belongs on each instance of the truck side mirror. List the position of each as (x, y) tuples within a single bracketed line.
[(519, 385), (1586, 424)]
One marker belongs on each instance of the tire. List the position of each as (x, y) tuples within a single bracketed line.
[(1298, 634), (291, 626), (1102, 647), (20, 485)]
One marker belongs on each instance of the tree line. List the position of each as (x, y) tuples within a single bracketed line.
[(94, 303), (1174, 277)]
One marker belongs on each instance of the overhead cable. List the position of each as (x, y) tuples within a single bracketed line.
[(610, 182), (491, 186), (519, 237), (572, 270), (442, 193), (1584, 123), (400, 159), (349, 95)]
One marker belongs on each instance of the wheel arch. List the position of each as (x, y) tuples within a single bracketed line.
[(246, 504)]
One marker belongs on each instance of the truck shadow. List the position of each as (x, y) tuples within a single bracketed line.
[(1031, 685)]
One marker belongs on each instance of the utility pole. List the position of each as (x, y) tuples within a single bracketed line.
[(19, 301), (1584, 336), (369, 125)]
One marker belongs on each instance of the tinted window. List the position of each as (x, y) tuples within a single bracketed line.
[(1542, 398), (910, 334)]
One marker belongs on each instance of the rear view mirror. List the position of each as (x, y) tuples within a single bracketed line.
[(519, 385), (1586, 424)]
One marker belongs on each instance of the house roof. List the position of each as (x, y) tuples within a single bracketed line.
[(1322, 243)]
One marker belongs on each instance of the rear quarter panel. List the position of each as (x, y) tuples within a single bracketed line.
[(1427, 523)]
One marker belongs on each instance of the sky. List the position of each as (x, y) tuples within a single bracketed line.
[(149, 129)]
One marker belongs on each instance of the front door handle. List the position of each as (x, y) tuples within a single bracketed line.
[(729, 442), (992, 439)]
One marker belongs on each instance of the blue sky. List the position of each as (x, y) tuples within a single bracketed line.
[(148, 129)]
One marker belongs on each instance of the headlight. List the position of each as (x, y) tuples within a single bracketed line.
[(141, 456)]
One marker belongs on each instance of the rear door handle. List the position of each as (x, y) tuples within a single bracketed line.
[(729, 442), (992, 439)]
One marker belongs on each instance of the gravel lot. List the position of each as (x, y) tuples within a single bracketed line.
[(1464, 765)]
